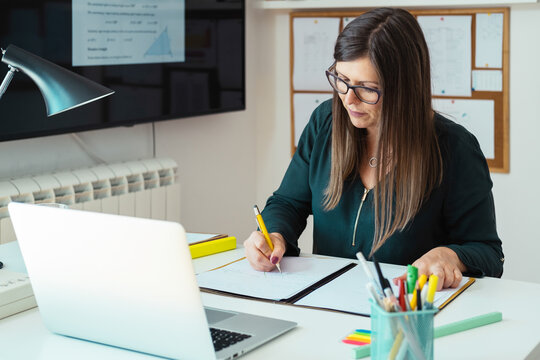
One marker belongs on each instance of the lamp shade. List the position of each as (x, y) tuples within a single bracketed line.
[(61, 89)]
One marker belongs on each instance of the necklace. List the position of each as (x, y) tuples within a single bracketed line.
[(373, 162)]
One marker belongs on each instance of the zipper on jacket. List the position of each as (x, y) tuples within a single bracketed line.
[(366, 190)]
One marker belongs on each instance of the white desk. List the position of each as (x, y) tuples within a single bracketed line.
[(319, 333)]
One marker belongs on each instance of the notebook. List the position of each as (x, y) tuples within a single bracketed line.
[(126, 282), (311, 281), (208, 244)]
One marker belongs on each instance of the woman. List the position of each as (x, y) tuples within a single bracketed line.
[(380, 171)]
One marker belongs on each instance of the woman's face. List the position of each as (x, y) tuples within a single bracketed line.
[(360, 72)]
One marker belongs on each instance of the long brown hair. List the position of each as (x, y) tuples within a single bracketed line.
[(410, 164)]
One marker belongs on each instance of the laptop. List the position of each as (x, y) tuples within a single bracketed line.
[(127, 282)]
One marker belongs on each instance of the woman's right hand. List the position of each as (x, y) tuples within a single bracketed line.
[(259, 254)]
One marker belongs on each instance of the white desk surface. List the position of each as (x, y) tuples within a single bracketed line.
[(319, 333)]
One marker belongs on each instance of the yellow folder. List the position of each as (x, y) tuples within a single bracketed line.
[(210, 247)]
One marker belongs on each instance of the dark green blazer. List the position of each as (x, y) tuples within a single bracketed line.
[(458, 214)]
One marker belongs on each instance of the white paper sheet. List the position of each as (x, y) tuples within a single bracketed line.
[(487, 80), (304, 104), (477, 116), (298, 274), (353, 296), (314, 40), (489, 40), (449, 42)]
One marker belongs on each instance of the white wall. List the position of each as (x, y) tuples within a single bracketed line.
[(35, 156), (516, 194), (230, 161)]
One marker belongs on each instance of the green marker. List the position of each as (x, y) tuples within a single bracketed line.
[(412, 276)]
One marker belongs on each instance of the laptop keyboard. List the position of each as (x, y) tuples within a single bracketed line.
[(225, 338)]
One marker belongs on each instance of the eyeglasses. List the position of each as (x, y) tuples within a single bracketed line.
[(363, 93)]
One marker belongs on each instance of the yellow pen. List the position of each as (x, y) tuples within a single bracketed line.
[(421, 282), (432, 287), (260, 222)]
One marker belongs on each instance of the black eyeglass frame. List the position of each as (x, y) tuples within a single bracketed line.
[(330, 74)]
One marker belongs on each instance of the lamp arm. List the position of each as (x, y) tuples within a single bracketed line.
[(7, 80)]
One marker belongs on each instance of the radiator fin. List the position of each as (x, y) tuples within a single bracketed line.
[(143, 188)]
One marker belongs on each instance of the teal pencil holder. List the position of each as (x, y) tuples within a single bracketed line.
[(401, 335)]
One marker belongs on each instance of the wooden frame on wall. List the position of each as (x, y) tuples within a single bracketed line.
[(499, 162)]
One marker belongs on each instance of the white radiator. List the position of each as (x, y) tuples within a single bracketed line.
[(142, 188)]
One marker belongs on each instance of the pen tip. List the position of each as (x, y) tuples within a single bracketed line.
[(279, 268)]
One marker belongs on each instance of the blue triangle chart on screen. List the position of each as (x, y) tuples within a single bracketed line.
[(161, 46)]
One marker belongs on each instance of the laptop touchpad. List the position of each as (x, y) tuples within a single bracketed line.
[(213, 316)]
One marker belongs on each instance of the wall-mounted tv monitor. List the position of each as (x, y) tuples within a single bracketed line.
[(164, 59)]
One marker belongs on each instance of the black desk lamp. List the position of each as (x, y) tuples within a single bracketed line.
[(61, 89)]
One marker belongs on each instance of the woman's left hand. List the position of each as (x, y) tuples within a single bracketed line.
[(444, 263)]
